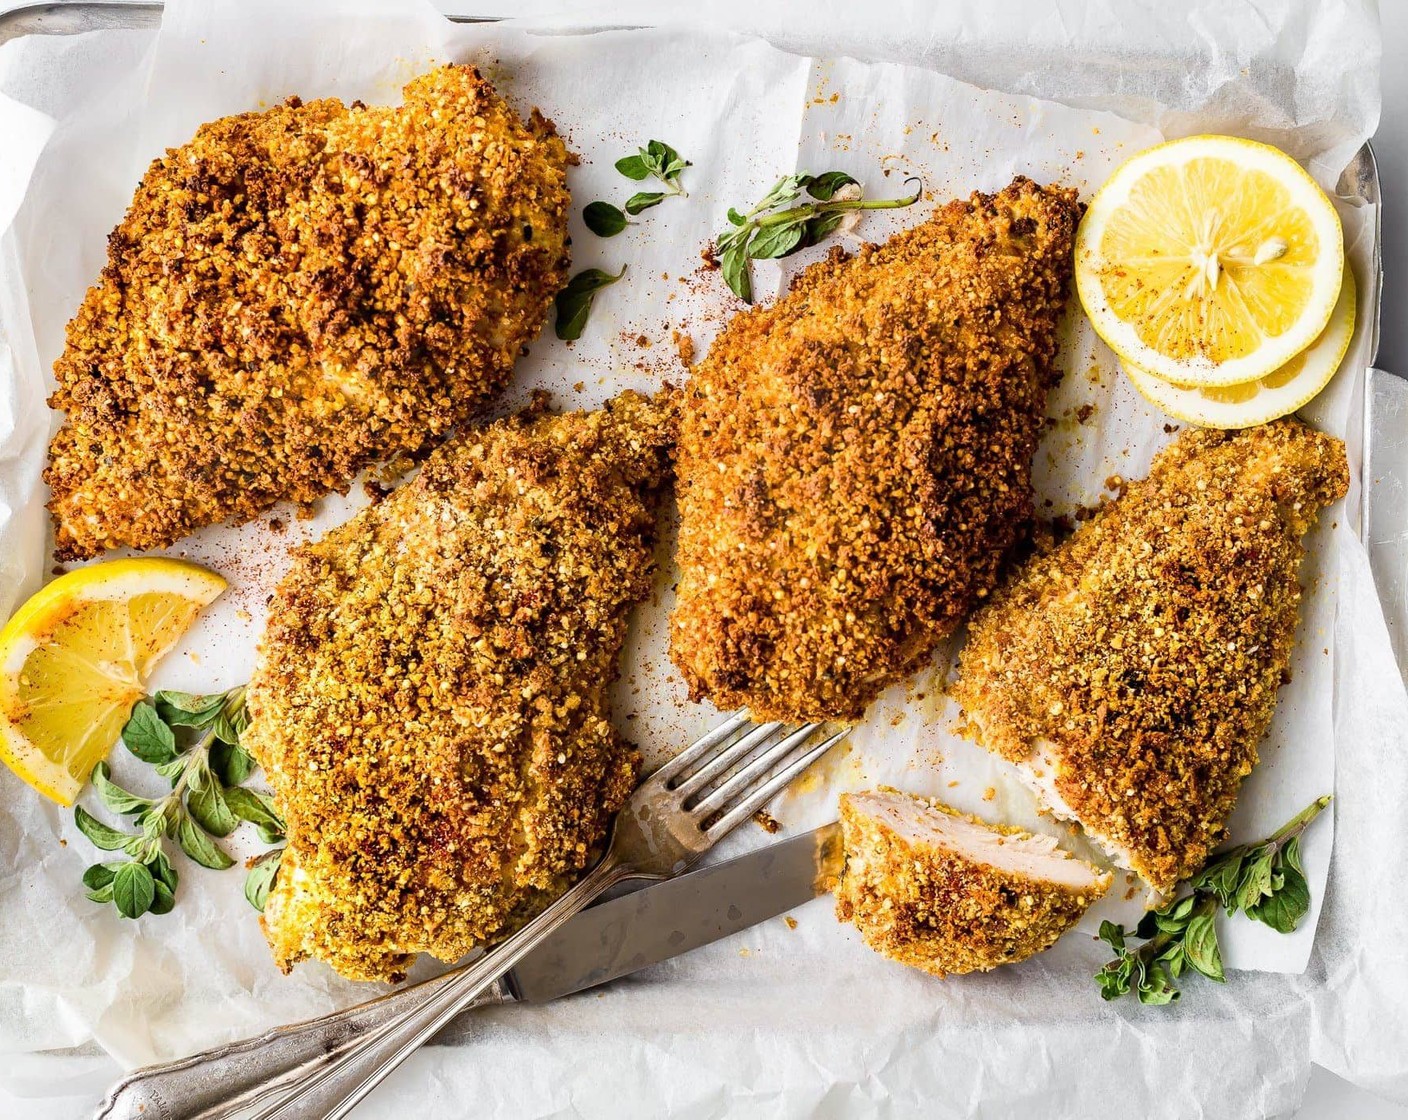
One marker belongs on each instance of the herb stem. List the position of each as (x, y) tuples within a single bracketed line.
[(1298, 824), (816, 209)]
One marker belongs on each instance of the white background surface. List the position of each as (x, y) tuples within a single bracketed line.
[(1330, 1098)]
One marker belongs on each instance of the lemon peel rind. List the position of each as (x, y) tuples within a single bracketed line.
[(1333, 341)]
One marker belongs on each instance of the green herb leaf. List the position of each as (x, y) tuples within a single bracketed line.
[(230, 725), (263, 873), (734, 262), (133, 890), (1284, 909), (1221, 877), (147, 736), (1157, 986), (231, 763), (172, 770), (785, 190), (819, 229), (1201, 948), (207, 805), (163, 899), (775, 241), (99, 834), (188, 709), (114, 796), (825, 186), (574, 302), (100, 875), (253, 807), (1256, 878), (199, 846), (633, 167), (162, 871), (643, 200), (100, 894), (605, 220)]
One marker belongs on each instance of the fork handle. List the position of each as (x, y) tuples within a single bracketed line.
[(335, 1088), (226, 1080)]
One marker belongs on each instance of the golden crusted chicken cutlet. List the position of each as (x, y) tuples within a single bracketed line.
[(948, 893), (855, 460), (1132, 671), (430, 696), (296, 294)]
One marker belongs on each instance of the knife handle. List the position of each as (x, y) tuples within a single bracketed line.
[(226, 1080)]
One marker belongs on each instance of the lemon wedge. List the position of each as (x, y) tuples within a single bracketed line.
[(1209, 261), (1278, 394), (75, 657)]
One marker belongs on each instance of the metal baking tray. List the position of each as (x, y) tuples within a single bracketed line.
[(1383, 513)]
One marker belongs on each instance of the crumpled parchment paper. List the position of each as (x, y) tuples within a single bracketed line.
[(792, 1022)]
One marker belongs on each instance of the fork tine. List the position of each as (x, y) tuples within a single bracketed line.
[(760, 797), (732, 754), (701, 746), (739, 784)]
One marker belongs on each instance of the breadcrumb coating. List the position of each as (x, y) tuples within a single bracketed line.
[(855, 460), (430, 697), (296, 294), (1140, 660), (938, 902)]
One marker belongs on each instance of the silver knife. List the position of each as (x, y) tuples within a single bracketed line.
[(611, 939)]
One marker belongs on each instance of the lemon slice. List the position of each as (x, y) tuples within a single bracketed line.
[(74, 658), (1258, 402), (1209, 261)]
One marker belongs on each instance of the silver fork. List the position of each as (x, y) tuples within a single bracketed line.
[(676, 815)]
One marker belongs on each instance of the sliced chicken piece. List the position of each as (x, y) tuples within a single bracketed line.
[(1132, 671), (948, 893)]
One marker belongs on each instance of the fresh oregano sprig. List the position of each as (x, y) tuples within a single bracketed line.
[(656, 160), (194, 742), (1265, 881), (775, 227)]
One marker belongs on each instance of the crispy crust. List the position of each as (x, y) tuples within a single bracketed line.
[(855, 460), (430, 699), (1148, 648), (295, 294), (935, 908)]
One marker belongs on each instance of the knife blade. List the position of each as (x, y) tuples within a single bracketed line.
[(662, 920), (612, 939)]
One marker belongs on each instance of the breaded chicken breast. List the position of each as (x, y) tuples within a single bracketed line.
[(948, 893), (855, 460), (1132, 671), (430, 696), (296, 294)]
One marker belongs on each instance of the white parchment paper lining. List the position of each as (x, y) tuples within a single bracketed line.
[(782, 1021)]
